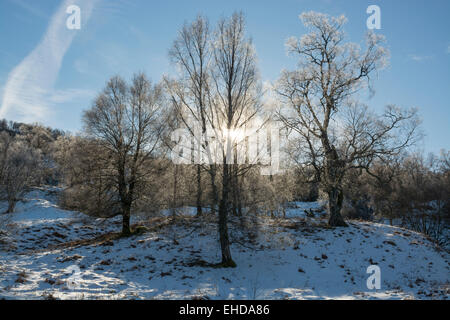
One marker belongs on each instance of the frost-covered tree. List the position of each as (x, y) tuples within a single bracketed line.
[(19, 168), (218, 88), (336, 132), (127, 120), (88, 177), (234, 105), (191, 53)]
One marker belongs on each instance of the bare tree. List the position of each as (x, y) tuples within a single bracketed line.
[(337, 132), (88, 177), (234, 104), (218, 88), (127, 121), (191, 53), (19, 168)]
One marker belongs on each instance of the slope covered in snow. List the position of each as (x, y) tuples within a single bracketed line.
[(52, 253)]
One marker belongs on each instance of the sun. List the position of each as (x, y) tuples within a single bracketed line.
[(234, 135)]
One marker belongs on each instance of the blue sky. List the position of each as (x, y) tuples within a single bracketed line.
[(49, 74)]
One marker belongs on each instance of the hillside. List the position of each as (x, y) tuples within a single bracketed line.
[(292, 258)]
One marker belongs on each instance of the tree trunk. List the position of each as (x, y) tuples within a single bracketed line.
[(175, 190), (215, 195), (227, 261), (199, 191), (335, 199), (239, 199), (126, 230), (234, 191), (125, 196), (334, 170), (11, 206), (237, 195)]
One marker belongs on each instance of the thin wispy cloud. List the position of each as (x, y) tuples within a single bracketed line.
[(61, 96), (29, 92), (419, 58), (30, 8)]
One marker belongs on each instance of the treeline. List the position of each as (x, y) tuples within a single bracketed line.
[(27, 158), (14, 128), (412, 192), (333, 148)]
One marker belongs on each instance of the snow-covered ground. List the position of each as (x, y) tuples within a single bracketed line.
[(52, 253)]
